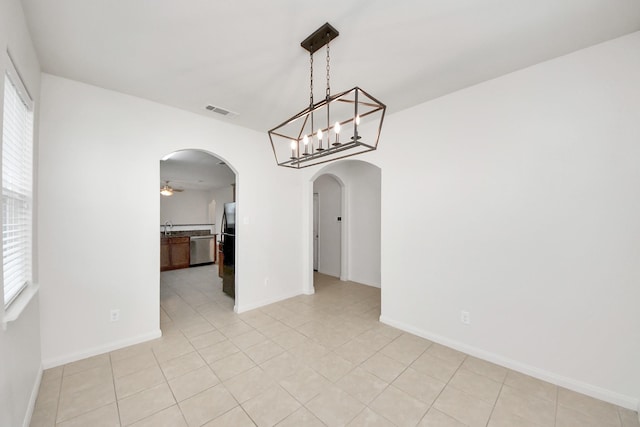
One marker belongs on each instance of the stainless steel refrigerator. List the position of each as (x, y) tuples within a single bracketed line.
[(228, 240)]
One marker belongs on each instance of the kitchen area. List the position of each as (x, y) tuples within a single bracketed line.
[(197, 215)]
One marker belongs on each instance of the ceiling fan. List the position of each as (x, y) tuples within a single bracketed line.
[(167, 190)]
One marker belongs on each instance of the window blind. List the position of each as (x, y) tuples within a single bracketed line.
[(17, 187)]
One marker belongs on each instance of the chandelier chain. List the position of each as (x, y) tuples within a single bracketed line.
[(311, 81), (328, 57)]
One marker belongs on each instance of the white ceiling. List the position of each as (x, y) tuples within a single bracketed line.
[(245, 56), (195, 170)]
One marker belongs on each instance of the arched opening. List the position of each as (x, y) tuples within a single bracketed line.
[(327, 225), (197, 232), (359, 220)]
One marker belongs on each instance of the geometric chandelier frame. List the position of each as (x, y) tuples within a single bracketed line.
[(338, 126)]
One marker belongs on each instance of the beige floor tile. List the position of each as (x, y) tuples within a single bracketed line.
[(289, 339), (368, 418), (502, 418), (436, 367), (332, 366), (273, 329), (206, 406), (488, 369), (532, 386), (304, 384), (435, 418), (49, 393), (383, 367), (232, 365), (301, 417), (605, 413), (270, 407), (447, 353), (89, 363), (421, 386), (398, 407), (74, 404), (249, 384), (139, 381), (281, 366), (207, 339), (234, 329), (132, 350), (43, 416), (236, 417), (463, 407), (476, 385), (173, 350), (568, 417), (181, 365), (52, 374), (356, 351), (248, 339), (525, 405), (105, 416), (196, 329), (170, 417), (309, 350), (629, 418), (334, 407), (141, 405), (264, 351), (130, 365), (193, 383), (362, 385), (406, 348), (218, 351), (86, 379)]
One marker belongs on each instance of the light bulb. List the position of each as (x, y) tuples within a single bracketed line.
[(293, 145), (319, 135), (336, 128), (357, 120), (305, 140)]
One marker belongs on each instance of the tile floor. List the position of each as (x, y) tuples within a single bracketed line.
[(308, 361)]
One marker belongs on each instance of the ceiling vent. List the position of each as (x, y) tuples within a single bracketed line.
[(220, 111)]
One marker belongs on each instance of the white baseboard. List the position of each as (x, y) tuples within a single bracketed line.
[(242, 308), (559, 380), (115, 345), (32, 399)]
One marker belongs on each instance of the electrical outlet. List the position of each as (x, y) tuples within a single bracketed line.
[(465, 317), (115, 314)]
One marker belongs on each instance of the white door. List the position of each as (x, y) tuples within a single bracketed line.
[(316, 214)]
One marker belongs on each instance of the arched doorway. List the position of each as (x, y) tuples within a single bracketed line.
[(360, 220), (200, 188)]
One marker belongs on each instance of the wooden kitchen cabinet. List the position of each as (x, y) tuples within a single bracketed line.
[(165, 258), (174, 253)]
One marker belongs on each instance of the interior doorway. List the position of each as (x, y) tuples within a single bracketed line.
[(358, 184), (198, 189), (327, 224)]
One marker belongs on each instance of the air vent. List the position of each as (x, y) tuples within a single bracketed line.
[(221, 111)]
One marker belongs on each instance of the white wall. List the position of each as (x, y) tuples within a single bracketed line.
[(187, 207), (520, 204), (361, 218), (329, 228), (20, 367), (84, 273)]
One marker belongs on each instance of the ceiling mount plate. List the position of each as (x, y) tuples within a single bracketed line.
[(319, 38)]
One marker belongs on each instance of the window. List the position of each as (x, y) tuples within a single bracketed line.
[(17, 186)]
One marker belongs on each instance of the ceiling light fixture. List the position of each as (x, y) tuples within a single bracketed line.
[(166, 191), (340, 125)]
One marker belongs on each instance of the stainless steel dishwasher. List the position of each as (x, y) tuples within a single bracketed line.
[(202, 249)]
